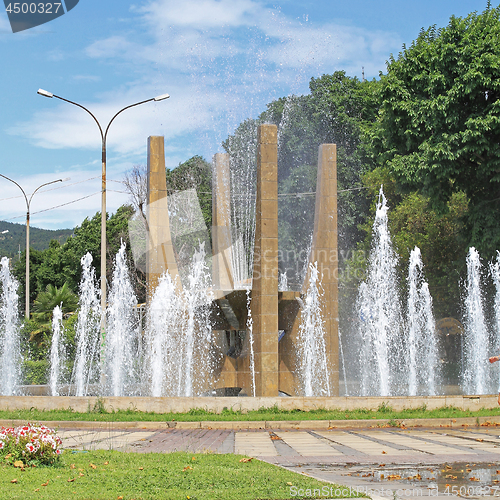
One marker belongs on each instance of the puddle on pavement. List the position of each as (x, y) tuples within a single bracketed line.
[(464, 479)]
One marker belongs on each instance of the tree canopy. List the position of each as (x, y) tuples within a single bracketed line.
[(439, 123)]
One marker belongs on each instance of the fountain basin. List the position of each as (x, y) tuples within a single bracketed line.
[(218, 404)]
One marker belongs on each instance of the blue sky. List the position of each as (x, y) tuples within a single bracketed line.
[(220, 60)]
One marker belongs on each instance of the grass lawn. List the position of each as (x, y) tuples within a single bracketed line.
[(197, 415), (174, 476)]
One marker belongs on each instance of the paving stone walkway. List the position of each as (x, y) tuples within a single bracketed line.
[(389, 462)]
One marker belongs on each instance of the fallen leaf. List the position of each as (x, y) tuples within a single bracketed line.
[(141, 468), (81, 474), (384, 453), (245, 460), (447, 485), (193, 458), (18, 463), (120, 498), (381, 476), (473, 479), (468, 470), (46, 484), (106, 463), (187, 468), (71, 480), (381, 465), (93, 466), (14, 481), (38, 489), (289, 483), (72, 466)]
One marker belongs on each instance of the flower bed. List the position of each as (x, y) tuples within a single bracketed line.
[(30, 445)]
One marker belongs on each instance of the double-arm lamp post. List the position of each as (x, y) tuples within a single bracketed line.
[(103, 184), (28, 203)]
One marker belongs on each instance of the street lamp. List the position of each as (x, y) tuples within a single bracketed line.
[(45, 93), (28, 202)]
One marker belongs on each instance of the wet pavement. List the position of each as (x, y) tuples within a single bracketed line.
[(389, 462)]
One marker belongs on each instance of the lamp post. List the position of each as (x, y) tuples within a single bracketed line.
[(28, 203), (104, 134)]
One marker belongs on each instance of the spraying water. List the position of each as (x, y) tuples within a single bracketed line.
[(179, 333), (342, 360), (250, 340), (476, 376), (121, 361), (10, 357), (382, 356), (198, 333), (56, 352), (243, 176), (422, 342), (313, 366), (495, 275), (163, 334), (86, 368)]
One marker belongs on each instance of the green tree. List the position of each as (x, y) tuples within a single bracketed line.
[(60, 264), (46, 302), (439, 125), (43, 308), (195, 173)]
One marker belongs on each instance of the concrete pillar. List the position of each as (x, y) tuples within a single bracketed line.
[(264, 303), (160, 254), (221, 223), (324, 251)]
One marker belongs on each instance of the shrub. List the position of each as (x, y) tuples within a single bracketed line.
[(30, 445)]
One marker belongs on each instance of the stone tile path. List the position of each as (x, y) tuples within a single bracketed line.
[(391, 462)]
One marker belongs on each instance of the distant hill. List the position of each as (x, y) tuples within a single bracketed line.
[(39, 238)]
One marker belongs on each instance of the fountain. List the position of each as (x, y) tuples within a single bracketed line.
[(495, 275), (57, 354), (383, 351), (121, 364), (10, 357), (476, 376), (313, 366), (422, 339), (86, 366), (243, 322)]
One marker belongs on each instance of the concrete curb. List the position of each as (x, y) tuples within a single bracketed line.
[(271, 424), (219, 404)]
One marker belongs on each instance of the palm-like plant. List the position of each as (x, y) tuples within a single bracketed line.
[(44, 306)]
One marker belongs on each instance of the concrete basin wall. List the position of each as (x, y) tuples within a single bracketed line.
[(244, 404)]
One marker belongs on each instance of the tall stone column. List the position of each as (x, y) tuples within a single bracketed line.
[(325, 253), (221, 223), (264, 305), (160, 252)]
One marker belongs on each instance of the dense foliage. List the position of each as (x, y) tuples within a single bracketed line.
[(439, 126), (13, 238)]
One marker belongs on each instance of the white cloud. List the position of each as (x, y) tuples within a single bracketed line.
[(203, 14), (220, 60)]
